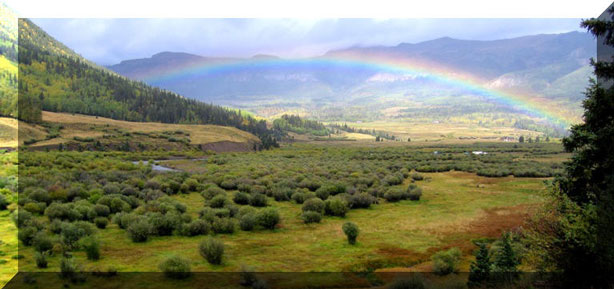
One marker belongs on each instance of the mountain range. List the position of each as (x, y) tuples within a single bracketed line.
[(552, 67)]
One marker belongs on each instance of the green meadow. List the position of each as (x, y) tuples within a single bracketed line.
[(459, 202)]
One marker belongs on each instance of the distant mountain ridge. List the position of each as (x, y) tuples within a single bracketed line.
[(491, 58), (529, 63)]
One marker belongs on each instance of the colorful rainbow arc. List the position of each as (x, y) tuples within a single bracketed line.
[(530, 104)]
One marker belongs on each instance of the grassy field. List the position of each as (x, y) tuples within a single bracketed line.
[(444, 132), (456, 207), (453, 211)]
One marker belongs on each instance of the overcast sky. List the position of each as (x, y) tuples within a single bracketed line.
[(108, 41)]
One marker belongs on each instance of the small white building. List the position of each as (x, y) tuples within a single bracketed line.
[(479, 153)]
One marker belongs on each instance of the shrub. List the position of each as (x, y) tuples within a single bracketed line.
[(101, 222), (311, 217), (416, 176), (71, 233), (258, 200), (393, 180), (164, 225), (314, 205), (361, 200), (22, 218), (61, 212), (176, 267), (4, 203), (335, 207), (241, 198), (310, 184), (223, 225), (139, 230), (115, 203), (207, 214), (67, 268), (35, 208), (394, 195), (102, 210), (191, 184), (212, 191), (247, 222), (331, 189), (55, 226), (195, 228), (124, 220), (92, 248), (42, 242), (244, 188), (212, 250), (232, 209), (446, 262), (38, 195), (85, 228), (298, 197), (258, 189), (414, 194), (40, 259), (26, 235), (111, 189), (221, 213), (218, 201), (246, 210), (322, 193), (281, 193), (268, 218), (351, 232), (152, 184)]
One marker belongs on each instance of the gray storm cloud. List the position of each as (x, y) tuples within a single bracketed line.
[(108, 41)]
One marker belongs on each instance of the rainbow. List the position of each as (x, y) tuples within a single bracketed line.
[(531, 104)]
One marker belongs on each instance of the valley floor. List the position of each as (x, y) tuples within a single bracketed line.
[(456, 207)]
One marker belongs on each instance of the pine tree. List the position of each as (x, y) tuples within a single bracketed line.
[(506, 259), (479, 270), (583, 246)]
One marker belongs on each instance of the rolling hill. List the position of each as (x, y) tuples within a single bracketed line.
[(74, 131)]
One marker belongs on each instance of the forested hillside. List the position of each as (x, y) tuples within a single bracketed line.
[(296, 124), (8, 62), (54, 78)]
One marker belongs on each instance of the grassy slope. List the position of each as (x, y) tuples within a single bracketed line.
[(74, 126), (451, 213), (8, 132)]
